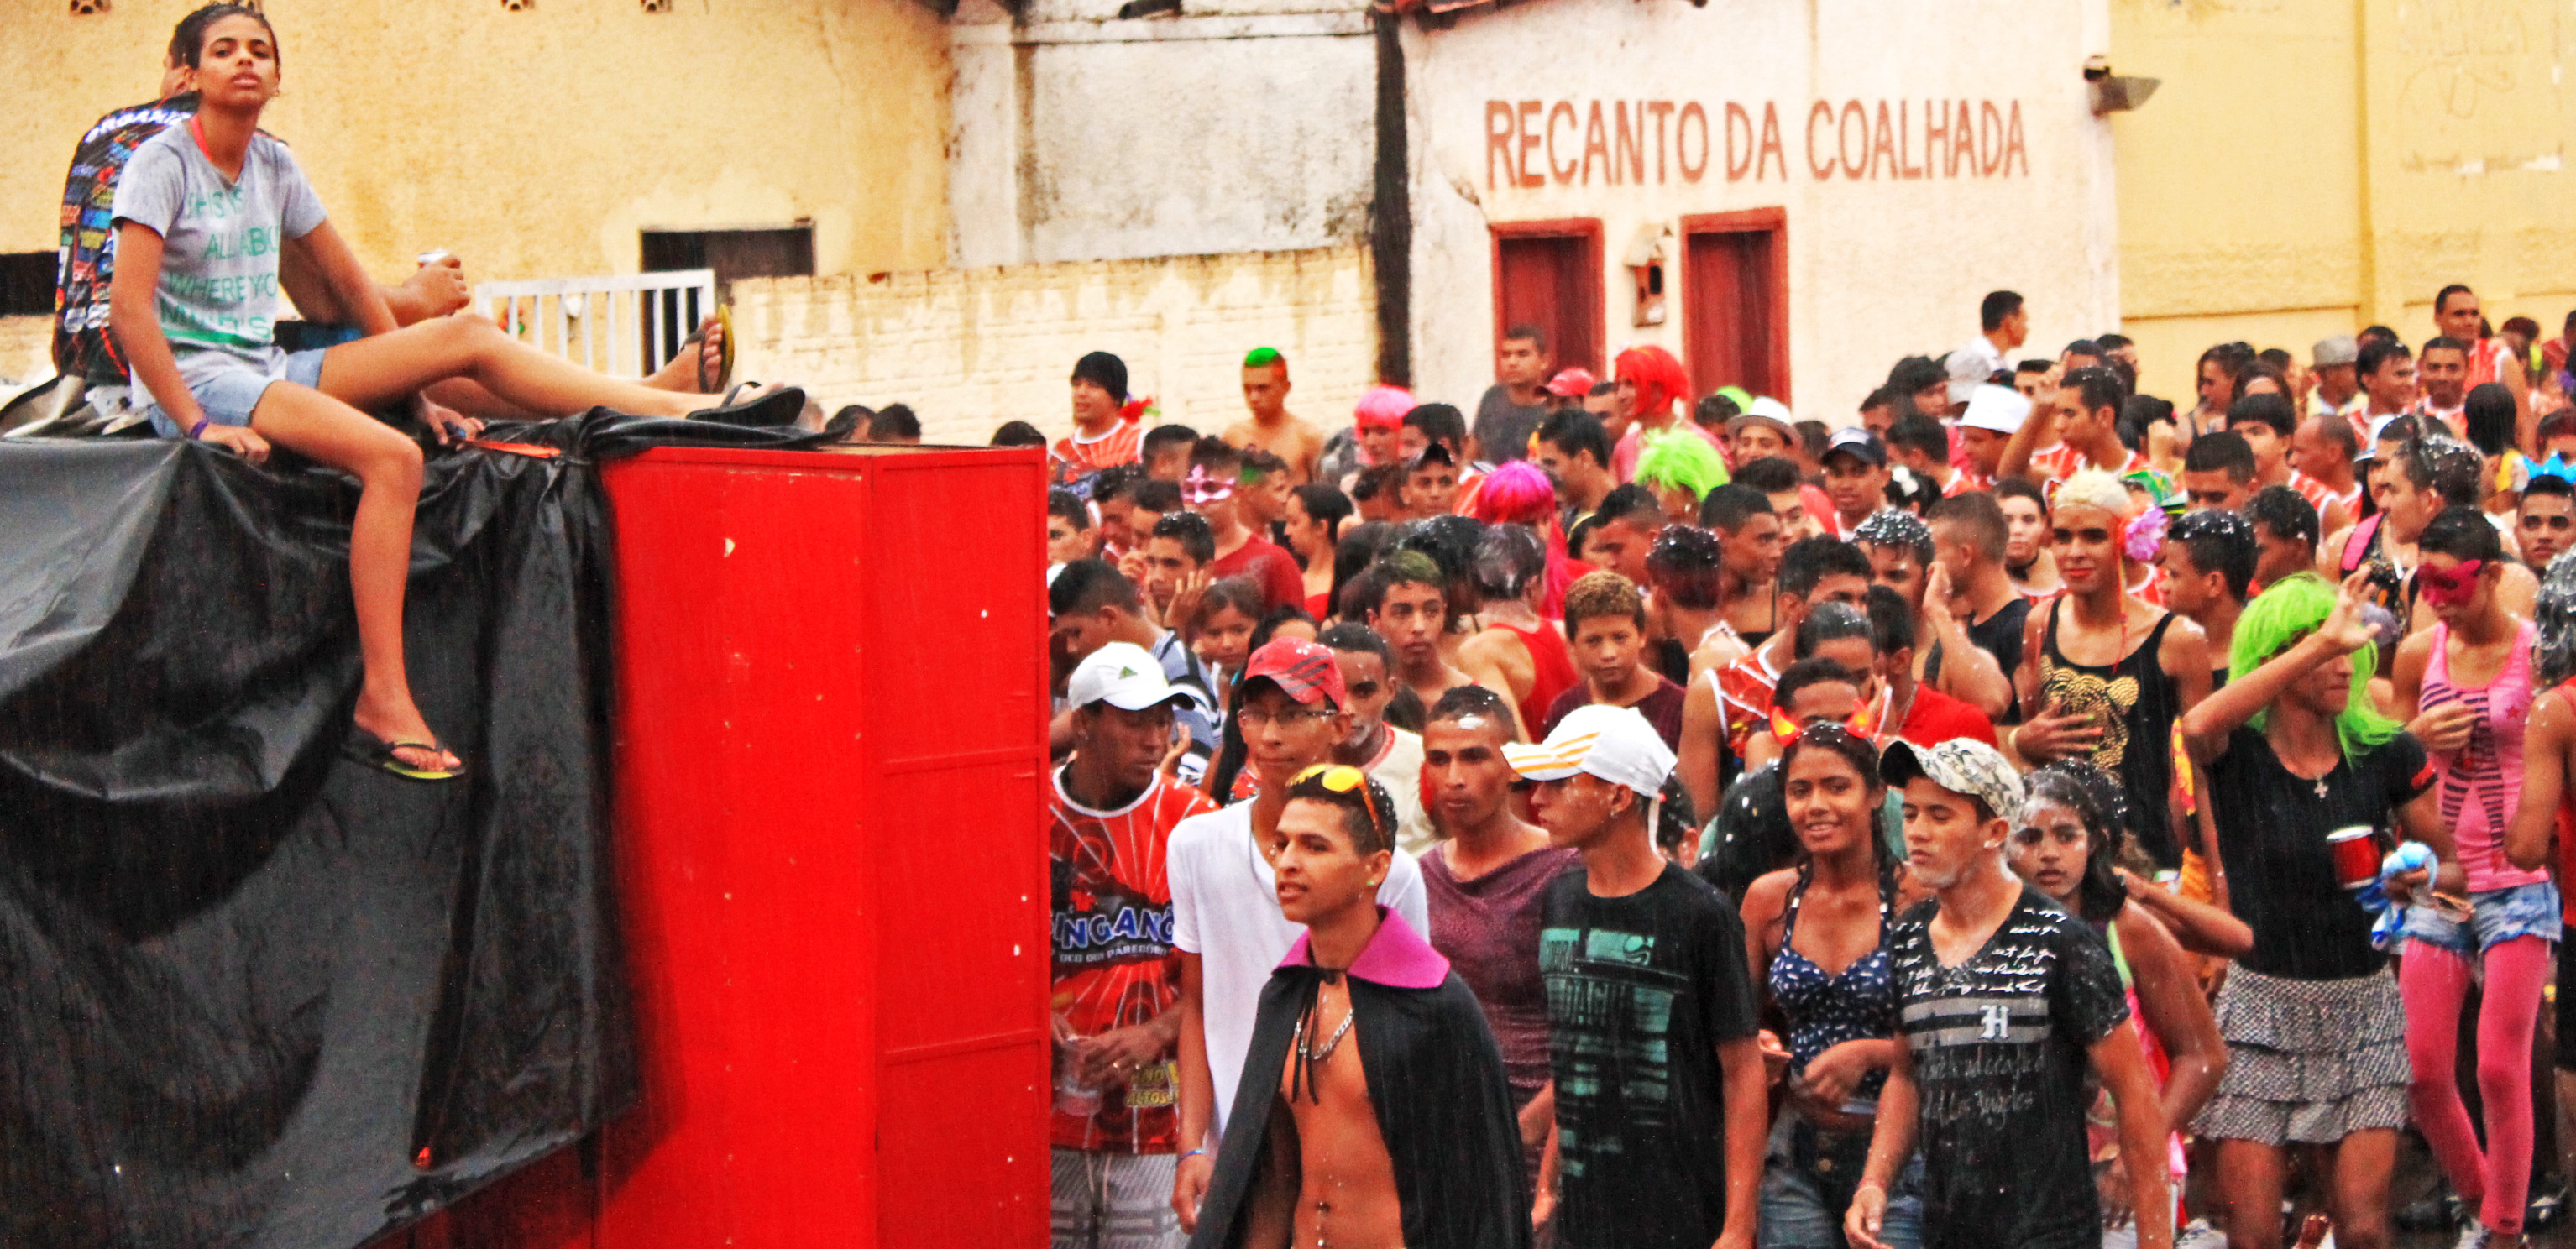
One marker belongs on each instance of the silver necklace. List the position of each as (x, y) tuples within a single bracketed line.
[(1331, 1043)]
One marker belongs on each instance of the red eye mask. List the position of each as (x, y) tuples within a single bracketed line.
[(2453, 587)]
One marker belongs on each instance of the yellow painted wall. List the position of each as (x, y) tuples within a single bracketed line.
[(538, 143), (2313, 166)]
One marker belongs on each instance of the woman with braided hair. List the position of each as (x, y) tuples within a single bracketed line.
[(2063, 842)]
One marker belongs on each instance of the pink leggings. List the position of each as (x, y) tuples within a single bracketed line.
[(2435, 983)]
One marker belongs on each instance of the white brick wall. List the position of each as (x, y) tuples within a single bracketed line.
[(26, 352), (972, 348)]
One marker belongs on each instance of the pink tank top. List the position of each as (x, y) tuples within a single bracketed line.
[(2481, 780)]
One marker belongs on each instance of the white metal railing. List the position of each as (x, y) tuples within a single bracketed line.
[(626, 326)]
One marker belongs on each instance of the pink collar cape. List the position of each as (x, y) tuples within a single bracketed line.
[(1397, 957)]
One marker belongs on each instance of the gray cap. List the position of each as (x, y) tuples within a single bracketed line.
[(2338, 349)]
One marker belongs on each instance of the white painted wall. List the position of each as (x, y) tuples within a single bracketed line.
[(972, 348), (1239, 127), (1879, 266)]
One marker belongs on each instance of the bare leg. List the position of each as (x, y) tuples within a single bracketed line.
[(2249, 1186), (468, 396), (387, 466), (372, 372), (2358, 1192)]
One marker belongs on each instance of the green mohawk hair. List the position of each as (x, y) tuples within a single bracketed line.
[(1261, 357)]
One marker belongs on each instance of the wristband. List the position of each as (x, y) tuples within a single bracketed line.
[(1192, 1154), (1867, 1182), (198, 429)]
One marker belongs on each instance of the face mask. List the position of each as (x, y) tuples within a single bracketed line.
[(2452, 588)]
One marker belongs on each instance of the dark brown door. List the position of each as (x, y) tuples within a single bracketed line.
[(1735, 329), (1550, 276)]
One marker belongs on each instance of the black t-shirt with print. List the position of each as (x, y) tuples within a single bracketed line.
[(86, 260), (2272, 829), (1640, 990), (1999, 1045)]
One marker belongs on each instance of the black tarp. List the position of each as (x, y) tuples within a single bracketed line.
[(251, 994)]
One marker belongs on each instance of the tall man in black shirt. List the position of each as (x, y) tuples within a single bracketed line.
[(2002, 998), (1660, 1087)]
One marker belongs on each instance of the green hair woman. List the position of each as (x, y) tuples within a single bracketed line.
[(2298, 764)]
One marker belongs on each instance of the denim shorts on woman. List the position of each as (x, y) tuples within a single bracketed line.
[(2495, 917), (227, 395)]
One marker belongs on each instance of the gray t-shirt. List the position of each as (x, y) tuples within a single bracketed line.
[(1503, 428), (217, 299)]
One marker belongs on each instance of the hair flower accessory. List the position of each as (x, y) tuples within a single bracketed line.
[(2143, 538)]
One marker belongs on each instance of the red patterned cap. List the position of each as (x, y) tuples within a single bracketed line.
[(1304, 669)]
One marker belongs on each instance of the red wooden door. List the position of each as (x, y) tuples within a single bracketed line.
[(1734, 304), (1548, 274)]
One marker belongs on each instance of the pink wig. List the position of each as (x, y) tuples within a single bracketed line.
[(1385, 406), (1519, 493)]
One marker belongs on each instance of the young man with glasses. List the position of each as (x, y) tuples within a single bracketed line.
[(1291, 707)]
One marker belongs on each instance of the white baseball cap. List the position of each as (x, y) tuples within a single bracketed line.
[(1121, 674), (1998, 408), (1614, 743)]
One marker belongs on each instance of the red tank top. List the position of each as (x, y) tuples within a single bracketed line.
[(1551, 673)]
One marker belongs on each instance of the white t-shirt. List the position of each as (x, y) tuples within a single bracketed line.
[(1398, 766), (1225, 909)]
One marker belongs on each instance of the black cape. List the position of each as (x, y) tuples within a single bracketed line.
[(1443, 1108)]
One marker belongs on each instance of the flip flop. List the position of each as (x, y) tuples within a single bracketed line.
[(724, 358), (777, 409), (375, 752)]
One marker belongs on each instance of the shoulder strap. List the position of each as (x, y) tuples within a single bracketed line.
[(2357, 547)]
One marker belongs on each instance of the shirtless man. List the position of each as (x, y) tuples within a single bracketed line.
[(1721, 711), (1750, 541), (1272, 427), (1686, 570), (1307, 1158), (2028, 558), (1412, 612)]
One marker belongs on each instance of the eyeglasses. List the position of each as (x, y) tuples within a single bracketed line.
[(1256, 718), (1341, 778)]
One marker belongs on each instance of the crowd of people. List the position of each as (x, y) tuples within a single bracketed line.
[(2023, 811)]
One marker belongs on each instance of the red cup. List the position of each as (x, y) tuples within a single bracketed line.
[(2356, 855)]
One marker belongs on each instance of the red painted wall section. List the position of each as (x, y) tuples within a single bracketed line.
[(832, 674)]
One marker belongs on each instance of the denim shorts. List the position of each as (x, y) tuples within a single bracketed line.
[(228, 395), (1803, 1208), (2495, 917)]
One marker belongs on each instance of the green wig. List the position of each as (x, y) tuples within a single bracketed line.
[(2291, 609), (1681, 460), (1261, 357)]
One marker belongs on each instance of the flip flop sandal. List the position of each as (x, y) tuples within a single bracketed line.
[(777, 409), (375, 752), (724, 358)]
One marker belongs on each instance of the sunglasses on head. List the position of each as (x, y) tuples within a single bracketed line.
[(1341, 778), (2453, 586)]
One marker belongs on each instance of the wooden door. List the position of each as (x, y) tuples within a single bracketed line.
[(1548, 274), (1734, 294)]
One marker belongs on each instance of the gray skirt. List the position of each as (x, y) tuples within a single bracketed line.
[(2310, 1061)]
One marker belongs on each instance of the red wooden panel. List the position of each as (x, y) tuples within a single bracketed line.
[(1548, 274), (828, 818), (1735, 327)]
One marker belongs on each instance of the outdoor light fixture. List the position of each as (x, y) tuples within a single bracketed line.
[(2111, 94), (1645, 260)]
